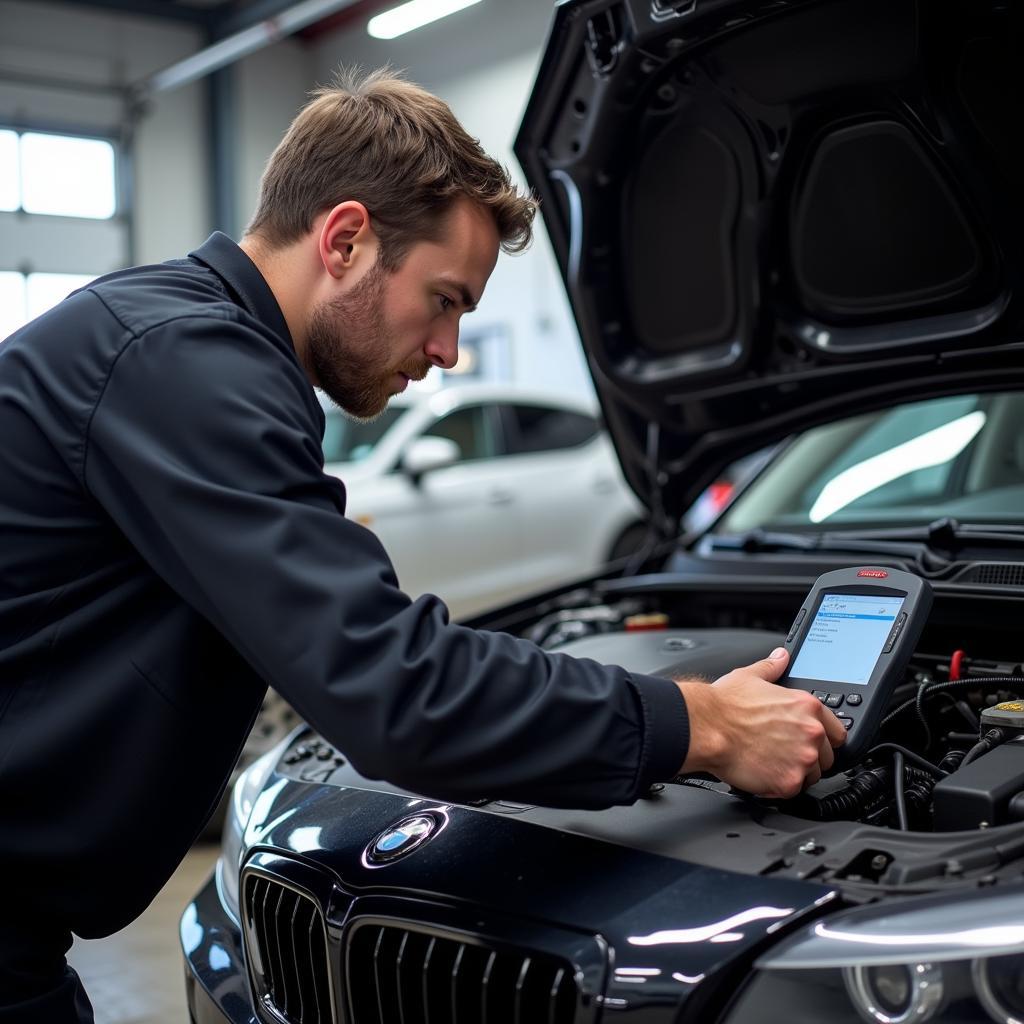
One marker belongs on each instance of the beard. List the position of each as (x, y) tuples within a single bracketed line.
[(350, 346)]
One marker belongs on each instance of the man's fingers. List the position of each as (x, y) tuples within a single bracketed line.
[(825, 756), (835, 729), (770, 668)]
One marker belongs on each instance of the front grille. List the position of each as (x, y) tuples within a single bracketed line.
[(399, 974), (289, 952)]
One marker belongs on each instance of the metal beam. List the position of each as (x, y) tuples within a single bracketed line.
[(223, 143), (261, 10), (165, 9), (242, 43), (235, 19)]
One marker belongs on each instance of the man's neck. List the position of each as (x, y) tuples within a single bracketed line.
[(278, 267)]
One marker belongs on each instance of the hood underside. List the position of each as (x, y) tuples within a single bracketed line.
[(769, 215)]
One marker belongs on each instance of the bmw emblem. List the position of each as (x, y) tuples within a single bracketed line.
[(401, 839)]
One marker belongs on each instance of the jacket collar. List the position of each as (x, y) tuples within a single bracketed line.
[(248, 286)]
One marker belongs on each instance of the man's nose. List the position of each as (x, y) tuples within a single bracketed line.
[(442, 349)]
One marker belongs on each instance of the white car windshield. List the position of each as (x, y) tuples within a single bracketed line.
[(961, 456)]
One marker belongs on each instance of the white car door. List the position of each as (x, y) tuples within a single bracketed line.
[(454, 532), (572, 498)]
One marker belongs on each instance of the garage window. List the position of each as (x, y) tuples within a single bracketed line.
[(10, 172), (59, 219), (57, 175)]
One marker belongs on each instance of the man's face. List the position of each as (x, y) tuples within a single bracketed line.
[(366, 344)]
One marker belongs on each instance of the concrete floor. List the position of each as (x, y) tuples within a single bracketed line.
[(136, 976)]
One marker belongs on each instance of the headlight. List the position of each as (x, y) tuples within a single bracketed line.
[(244, 795), (941, 959), (999, 982)]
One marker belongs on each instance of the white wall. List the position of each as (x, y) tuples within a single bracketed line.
[(90, 50), (270, 88), (525, 291)]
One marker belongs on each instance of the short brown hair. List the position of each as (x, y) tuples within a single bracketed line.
[(396, 148)]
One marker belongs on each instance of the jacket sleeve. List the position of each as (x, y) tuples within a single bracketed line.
[(204, 449)]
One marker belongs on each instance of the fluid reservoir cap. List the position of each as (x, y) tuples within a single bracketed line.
[(654, 620), (1008, 715)]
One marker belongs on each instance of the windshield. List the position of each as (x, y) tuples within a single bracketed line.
[(960, 457), (348, 440)]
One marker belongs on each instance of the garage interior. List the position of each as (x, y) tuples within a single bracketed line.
[(788, 450)]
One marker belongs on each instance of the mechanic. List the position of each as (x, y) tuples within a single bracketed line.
[(172, 546)]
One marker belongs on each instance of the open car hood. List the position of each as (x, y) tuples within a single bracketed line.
[(769, 215)]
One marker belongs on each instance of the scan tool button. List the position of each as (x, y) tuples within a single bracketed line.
[(846, 720), (853, 699), (821, 695), (796, 625), (833, 700)]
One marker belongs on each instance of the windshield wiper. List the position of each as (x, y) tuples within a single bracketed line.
[(759, 541), (944, 537)]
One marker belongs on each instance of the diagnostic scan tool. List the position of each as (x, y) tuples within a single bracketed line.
[(850, 643)]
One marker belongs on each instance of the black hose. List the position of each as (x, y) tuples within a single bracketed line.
[(963, 708), (997, 682), (901, 799), (865, 789), (952, 760), (967, 711), (910, 756), (918, 793), (900, 796), (919, 705), (990, 740)]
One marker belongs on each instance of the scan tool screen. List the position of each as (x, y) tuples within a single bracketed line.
[(846, 637)]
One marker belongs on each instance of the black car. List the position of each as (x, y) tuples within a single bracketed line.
[(780, 223)]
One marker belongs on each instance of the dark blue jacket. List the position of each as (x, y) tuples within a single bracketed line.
[(170, 545)]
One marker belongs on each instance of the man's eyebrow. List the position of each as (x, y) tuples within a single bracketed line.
[(467, 299)]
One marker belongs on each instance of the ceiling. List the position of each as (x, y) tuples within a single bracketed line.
[(221, 18)]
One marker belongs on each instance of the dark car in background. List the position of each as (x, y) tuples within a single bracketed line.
[(780, 223)]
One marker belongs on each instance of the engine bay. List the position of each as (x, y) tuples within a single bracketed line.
[(950, 808), (935, 714)]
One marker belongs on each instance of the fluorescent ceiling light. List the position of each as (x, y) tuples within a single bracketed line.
[(414, 14)]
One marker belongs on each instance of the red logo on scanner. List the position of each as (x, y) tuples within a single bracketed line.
[(875, 574)]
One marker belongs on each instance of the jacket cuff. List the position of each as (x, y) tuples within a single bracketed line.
[(666, 730)]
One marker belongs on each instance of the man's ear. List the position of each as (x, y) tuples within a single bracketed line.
[(347, 239)]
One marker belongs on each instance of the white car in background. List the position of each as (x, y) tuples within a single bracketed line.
[(484, 493)]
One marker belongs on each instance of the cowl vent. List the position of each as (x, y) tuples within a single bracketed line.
[(993, 574)]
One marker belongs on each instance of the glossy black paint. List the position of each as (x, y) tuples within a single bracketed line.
[(772, 213), (216, 988), (605, 907)]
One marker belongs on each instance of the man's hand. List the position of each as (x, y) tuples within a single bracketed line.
[(757, 736)]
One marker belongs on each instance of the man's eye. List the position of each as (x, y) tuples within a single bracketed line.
[(446, 303)]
